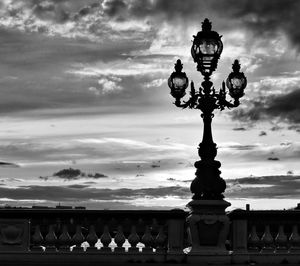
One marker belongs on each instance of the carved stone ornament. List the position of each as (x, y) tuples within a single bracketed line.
[(11, 234), (14, 235)]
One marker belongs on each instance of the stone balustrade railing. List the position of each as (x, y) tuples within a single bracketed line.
[(132, 236), (75, 236), (266, 236)]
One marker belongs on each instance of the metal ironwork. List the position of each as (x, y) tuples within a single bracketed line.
[(207, 184)]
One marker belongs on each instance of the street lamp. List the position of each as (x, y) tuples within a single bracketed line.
[(178, 81), (206, 50)]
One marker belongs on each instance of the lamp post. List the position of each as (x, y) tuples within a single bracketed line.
[(207, 187), (206, 50)]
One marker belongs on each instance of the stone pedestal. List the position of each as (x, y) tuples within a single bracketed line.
[(208, 227)]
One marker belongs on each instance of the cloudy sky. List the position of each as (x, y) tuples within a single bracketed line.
[(83, 86)]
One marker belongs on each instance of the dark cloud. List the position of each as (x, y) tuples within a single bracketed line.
[(86, 10), (276, 128), (73, 174), (7, 164), (50, 11), (249, 187), (77, 186), (263, 17), (168, 8), (286, 143), (262, 133), (97, 175), (273, 159), (73, 193), (59, 11), (242, 147), (11, 179), (294, 127), (88, 183), (114, 7), (264, 187), (284, 106), (40, 64), (69, 174), (265, 180), (266, 17), (239, 129)]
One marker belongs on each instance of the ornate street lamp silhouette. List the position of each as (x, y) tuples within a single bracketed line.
[(206, 50), (208, 187)]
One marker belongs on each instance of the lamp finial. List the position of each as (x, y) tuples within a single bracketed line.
[(206, 25)]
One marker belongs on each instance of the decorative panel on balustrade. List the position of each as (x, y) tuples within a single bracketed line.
[(269, 231), (100, 234), (117, 232)]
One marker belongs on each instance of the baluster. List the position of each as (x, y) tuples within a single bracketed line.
[(105, 239), (268, 241), (294, 240), (175, 235), (120, 240), (58, 228), (77, 240), (64, 239), (160, 240), (112, 223), (51, 240), (254, 242), (37, 239), (71, 227), (147, 240), (133, 240), (140, 227), (92, 239), (85, 223), (155, 227), (99, 224), (281, 240), (126, 225)]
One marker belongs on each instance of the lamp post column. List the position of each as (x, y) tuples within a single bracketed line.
[(208, 223), (207, 185)]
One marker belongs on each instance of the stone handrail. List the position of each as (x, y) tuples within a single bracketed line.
[(134, 235)]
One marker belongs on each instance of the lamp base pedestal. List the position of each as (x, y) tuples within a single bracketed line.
[(208, 227)]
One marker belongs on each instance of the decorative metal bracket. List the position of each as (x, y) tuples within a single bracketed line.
[(196, 98)]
